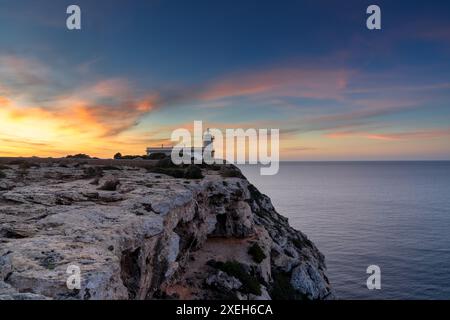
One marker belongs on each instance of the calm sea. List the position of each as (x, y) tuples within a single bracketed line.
[(392, 214)]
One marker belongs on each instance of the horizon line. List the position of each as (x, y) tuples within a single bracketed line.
[(347, 160)]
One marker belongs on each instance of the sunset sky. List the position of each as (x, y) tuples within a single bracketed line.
[(139, 69)]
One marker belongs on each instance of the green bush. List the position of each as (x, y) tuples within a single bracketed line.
[(193, 172), (2, 175), (79, 156), (167, 167), (166, 163), (235, 269), (297, 243), (131, 157), (256, 253), (302, 243), (230, 171), (156, 156), (214, 167), (282, 288)]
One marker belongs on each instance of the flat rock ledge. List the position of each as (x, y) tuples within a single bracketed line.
[(136, 234)]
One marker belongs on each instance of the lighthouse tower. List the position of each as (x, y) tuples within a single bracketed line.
[(208, 140)]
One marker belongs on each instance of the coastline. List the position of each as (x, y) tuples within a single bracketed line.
[(150, 236)]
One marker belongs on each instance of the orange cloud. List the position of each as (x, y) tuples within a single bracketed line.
[(296, 82), (71, 124), (38, 116), (111, 88), (4, 102)]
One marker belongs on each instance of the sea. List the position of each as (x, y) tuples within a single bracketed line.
[(395, 215)]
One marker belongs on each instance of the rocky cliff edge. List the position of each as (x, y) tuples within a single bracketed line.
[(148, 233)]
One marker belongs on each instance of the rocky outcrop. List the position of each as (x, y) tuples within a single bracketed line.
[(136, 234)]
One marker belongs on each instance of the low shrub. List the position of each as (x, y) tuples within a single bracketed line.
[(302, 243), (282, 288), (118, 155), (214, 167), (132, 157), (169, 169), (166, 163), (79, 156), (230, 171), (193, 172), (297, 243), (256, 253), (156, 156)]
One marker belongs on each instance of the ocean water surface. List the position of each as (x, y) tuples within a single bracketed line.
[(392, 214)]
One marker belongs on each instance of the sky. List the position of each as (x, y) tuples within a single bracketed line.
[(137, 70)]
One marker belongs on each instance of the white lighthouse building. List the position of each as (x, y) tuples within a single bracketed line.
[(206, 151), (208, 140)]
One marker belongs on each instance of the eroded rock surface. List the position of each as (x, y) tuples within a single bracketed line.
[(135, 234)]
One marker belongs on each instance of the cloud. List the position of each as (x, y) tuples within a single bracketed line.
[(110, 119), (91, 118), (306, 82), (110, 88), (103, 114), (434, 32), (355, 114), (287, 81), (397, 136), (112, 105), (29, 90), (19, 75)]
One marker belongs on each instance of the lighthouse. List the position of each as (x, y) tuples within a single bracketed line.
[(196, 152), (208, 140)]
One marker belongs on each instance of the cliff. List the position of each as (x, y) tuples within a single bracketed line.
[(146, 233)]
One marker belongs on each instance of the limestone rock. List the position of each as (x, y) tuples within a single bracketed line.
[(222, 281), (141, 235)]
